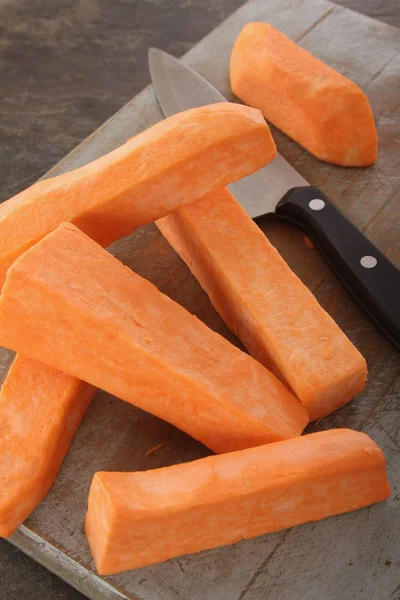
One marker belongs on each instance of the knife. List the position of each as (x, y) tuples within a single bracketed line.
[(370, 277)]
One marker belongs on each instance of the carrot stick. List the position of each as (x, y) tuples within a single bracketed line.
[(264, 303), (39, 417), (108, 326), (184, 157), (174, 162), (137, 519), (319, 108)]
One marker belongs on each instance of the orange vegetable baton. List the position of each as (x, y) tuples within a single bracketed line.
[(103, 323), (109, 198), (264, 303), (39, 416), (174, 162), (312, 103), (136, 519)]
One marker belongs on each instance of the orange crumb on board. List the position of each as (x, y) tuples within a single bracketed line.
[(308, 241), (154, 449)]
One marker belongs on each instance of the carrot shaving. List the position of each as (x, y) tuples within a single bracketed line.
[(154, 449), (308, 242)]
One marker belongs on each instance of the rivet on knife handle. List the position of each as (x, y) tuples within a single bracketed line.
[(367, 273)]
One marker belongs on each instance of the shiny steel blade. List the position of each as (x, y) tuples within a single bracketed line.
[(178, 88)]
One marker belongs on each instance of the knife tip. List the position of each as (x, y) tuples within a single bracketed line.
[(153, 52), (154, 58)]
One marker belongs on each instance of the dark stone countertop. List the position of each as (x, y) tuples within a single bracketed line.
[(65, 67)]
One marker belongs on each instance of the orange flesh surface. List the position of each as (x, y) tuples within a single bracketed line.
[(153, 173), (172, 163), (40, 412), (319, 108), (137, 519), (264, 303), (108, 326)]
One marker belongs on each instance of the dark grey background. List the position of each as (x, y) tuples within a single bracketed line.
[(65, 67)]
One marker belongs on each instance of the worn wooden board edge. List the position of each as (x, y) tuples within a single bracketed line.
[(83, 579), (58, 563)]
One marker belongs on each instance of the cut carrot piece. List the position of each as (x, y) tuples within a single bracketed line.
[(103, 323), (38, 420), (174, 162), (137, 519), (264, 303), (185, 157), (319, 108)]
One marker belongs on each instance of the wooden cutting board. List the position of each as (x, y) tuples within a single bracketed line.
[(350, 556)]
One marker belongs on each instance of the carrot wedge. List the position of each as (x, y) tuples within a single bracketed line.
[(174, 162), (264, 303), (319, 108), (103, 323), (137, 519), (185, 157), (38, 419)]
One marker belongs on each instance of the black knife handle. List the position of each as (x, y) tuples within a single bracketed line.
[(368, 274)]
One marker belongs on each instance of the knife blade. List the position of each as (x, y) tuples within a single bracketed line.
[(371, 278), (179, 88)]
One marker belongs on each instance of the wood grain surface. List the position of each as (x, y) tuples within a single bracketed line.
[(350, 556)]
